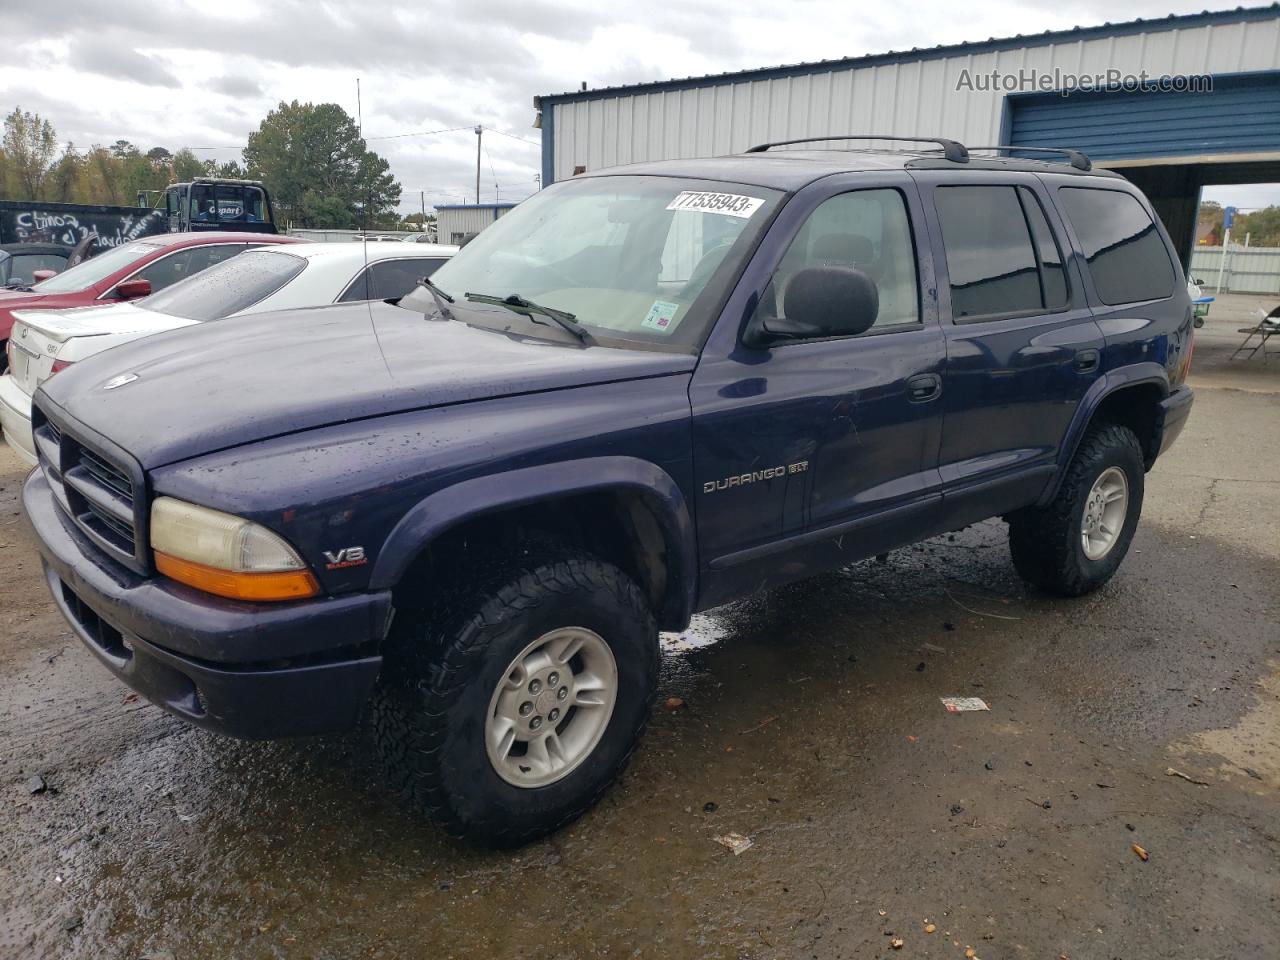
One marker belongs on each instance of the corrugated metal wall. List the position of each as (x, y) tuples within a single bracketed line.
[(908, 96), (1256, 270), (464, 221)]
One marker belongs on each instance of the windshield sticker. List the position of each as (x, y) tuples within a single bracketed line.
[(726, 204), (660, 316)]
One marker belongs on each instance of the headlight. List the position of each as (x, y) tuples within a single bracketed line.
[(226, 555)]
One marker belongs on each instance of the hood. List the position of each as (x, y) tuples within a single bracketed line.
[(224, 384), (127, 317)]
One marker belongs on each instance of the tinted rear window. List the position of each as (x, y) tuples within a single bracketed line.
[(228, 288), (990, 257), (1127, 256)]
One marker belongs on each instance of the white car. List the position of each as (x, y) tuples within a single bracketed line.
[(283, 277)]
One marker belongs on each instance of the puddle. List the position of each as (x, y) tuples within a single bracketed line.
[(704, 631), (1251, 743)]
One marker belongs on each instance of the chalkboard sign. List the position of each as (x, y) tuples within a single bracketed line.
[(69, 223)]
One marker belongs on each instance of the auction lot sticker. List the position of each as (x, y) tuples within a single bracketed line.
[(726, 204)]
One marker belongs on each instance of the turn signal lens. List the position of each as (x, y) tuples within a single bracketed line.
[(293, 585), (226, 555)]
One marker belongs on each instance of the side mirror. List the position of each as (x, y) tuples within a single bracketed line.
[(133, 289), (38, 275), (820, 302)]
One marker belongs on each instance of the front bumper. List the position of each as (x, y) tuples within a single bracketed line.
[(15, 420), (256, 671), (1171, 416)]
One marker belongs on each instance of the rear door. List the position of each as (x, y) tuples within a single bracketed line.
[(1022, 347)]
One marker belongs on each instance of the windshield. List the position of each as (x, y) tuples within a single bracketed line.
[(643, 259), (84, 275), (227, 202), (227, 288)]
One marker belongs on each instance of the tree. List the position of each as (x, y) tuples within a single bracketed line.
[(187, 166), (1262, 227), (66, 174), (30, 145), (318, 168)]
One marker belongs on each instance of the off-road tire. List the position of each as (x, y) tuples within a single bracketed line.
[(1045, 541), (442, 668)]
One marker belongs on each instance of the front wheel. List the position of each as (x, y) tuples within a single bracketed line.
[(1076, 543), (509, 718)]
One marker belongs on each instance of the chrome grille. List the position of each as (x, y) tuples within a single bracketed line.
[(95, 491), (109, 476)]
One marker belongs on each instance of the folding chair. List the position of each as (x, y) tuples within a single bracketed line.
[(1264, 330)]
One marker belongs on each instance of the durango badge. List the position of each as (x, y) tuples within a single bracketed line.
[(742, 479)]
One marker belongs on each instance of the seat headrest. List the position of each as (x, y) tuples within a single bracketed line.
[(843, 249)]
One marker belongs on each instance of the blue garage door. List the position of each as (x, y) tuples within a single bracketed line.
[(1240, 115)]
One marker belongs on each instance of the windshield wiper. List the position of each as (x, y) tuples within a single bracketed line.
[(519, 304), (439, 296)]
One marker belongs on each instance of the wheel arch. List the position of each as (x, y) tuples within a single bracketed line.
[(627, 510), (1130, 396)]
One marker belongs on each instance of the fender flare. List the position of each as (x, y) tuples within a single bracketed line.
[(1109, 383), (473, 498)]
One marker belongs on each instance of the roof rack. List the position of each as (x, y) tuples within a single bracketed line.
[(951, 149), (1077, 159)]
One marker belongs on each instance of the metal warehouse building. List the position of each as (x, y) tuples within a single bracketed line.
[(1169, 142), (456, 223)]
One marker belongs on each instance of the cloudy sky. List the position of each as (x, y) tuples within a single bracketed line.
[(204, 74)]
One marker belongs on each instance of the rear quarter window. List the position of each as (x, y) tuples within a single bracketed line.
[(1127, 256)]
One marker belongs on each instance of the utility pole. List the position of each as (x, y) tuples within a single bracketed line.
[(1228, 217), (479, 134), (422, 195), (359, 110)]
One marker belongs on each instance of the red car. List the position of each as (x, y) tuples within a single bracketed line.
[(129, 271)]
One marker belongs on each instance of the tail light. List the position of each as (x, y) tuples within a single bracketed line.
[(59, 365), (1184, 368), (8, 354)]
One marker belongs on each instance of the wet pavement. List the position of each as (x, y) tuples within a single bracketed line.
[(811, 723)]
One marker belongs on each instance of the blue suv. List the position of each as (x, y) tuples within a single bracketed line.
[(643, 393)]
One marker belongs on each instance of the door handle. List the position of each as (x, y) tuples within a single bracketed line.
[(924, 387), (1087, 361)]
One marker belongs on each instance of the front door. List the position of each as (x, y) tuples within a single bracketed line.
[(809, 453)]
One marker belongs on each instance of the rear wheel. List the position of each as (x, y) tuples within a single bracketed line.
[(1076, 543), (510, 716)]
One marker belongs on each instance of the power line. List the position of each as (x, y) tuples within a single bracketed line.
[(420, 133), (512, 136)]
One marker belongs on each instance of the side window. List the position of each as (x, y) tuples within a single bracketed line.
[(167, 270), (432, 265), (992, 262), (22, 266), (1127, 257), (360, 288), (392, 279), (868, 230), (1053, 275), (204, 257)]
